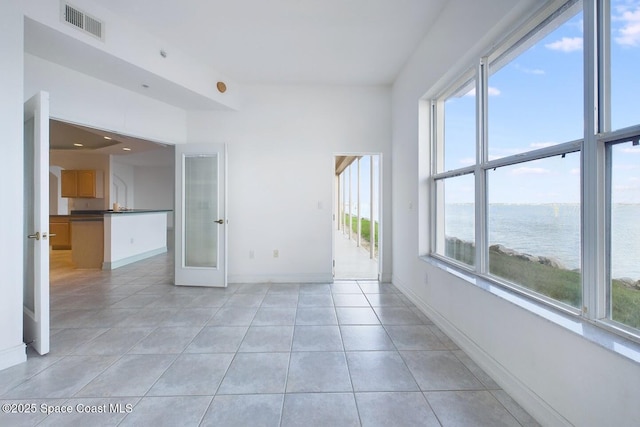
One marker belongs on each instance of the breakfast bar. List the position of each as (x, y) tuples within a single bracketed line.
[(128, 236)]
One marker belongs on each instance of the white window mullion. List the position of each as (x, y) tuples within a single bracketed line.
[(437, 164), (482, 252), (358, 213), (593, 188)]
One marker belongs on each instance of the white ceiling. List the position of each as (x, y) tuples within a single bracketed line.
[(362, 42), (321, 42)]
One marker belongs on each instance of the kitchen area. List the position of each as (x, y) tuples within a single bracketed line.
[(110, 198)]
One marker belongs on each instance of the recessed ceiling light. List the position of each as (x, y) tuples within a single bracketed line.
[(126, 148), (107, 137), (77, 144)]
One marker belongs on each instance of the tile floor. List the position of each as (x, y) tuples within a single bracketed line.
[(130, 344), (352, 260)]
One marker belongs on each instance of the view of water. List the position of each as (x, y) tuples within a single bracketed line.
[(552, 230)]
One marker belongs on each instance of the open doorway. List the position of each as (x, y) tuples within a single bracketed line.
[(357, 224), (131, 172)]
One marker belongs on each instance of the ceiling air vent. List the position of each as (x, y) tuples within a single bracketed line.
[(82, 21)]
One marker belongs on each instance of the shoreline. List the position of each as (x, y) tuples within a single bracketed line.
[(549, 261)]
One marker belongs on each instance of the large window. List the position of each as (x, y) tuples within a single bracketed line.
[(539, 189), (457, 218), (620, 130), (534, 226), (624, 244), (624, 45), (460, 131), (535, 100)]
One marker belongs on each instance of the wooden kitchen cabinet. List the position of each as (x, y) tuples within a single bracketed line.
[(81, 183), (59, 225)]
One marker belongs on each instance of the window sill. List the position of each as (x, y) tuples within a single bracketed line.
[(599, 333)]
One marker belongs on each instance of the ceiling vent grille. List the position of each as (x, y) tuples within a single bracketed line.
[(82, 21)]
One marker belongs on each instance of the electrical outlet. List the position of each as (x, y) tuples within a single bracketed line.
[(276, 253), (252, 254)]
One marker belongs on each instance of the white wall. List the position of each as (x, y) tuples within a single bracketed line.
[(154, 189), (554, 373), (281, 149), (58, 205), (78, 98), (122, 176), (132, 237), (177, 72), (12, 350)]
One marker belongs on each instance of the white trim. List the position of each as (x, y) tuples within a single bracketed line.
[(281, 278), (609, 339), (135, 258), (523, 395), (13, 356)]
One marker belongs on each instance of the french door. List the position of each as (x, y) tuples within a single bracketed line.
[(201, 225), (36, 223)]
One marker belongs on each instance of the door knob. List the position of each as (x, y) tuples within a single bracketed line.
[(34, 236), (220, 221)]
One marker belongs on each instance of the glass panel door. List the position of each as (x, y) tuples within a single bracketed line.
[(36, 214), (201, 211), (200, 215)]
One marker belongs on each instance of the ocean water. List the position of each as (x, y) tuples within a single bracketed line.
[(552, 230)]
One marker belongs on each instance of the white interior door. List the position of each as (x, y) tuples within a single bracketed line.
[(36, 223), (200, 220)]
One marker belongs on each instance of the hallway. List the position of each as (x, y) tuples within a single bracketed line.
[(341, 354)]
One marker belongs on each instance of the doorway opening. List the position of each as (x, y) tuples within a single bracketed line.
[(357, 220), (128, 166)]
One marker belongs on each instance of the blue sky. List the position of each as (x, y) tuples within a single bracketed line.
[(536, 101)]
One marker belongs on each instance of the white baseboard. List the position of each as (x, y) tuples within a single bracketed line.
[(523, 395), (135, 258), (386, 278), (280, 278), (13, 356)]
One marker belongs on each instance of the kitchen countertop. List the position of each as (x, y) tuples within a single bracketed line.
[(110, 211)]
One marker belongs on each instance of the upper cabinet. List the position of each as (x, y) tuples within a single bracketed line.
[(82, 183)]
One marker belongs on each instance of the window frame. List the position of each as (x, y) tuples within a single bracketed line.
[(594, 149)]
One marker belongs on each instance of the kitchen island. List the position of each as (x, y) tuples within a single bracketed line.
[(128, 236)]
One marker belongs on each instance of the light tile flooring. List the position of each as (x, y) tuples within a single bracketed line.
[(143, 352), (352, 261)]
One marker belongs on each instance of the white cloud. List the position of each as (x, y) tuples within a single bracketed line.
[(631, 150), (626, 167), (566, 44), (467, 161), (542, 144), (530, 171), (492, 91), (626, 188), (629, 34), (535, 71)]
